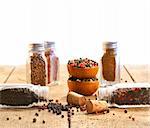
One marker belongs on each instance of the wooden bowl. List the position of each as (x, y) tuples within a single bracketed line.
[(82, 72), (86, 88)]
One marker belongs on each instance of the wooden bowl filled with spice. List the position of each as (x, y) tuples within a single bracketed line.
[(85, 87), (82, 68)]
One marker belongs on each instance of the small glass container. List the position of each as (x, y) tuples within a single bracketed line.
[(36, 65), (22, 95), (52, 63), (110, 64), (126, 95)]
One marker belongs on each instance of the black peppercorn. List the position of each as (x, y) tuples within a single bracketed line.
[(43, 122), (108, 111), (133, 118), (125, 111), (34, 120), (62, 116), (36, 114)]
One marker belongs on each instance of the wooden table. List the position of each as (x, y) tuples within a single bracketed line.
[(116, 118)]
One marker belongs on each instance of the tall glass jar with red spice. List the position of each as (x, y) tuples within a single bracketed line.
[(52, 63)]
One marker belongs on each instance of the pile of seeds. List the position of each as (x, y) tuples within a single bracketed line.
[(83, 80), (82, 63), (57, 108), (131, 96), (38, 72), (18, 97)]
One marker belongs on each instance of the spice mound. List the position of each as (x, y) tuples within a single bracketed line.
[(131, 96), (82, 68), (17, 97), (82, 63), (22, 95), (38, 71), (82, 79), (126, 95)]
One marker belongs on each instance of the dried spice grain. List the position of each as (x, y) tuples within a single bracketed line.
[(62, 116), (125, 111), (34, 120), (133, 119), (36, 114), (38, 72), (43, 121)]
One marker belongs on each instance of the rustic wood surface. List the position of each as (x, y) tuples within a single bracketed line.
[(116, 118)]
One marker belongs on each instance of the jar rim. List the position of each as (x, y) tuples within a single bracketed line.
[(49, 44), (36, 47), (110, 45)]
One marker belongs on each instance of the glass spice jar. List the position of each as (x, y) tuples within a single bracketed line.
[(126, 95), (22, 95), (36, 71), (52, 63), (110, 64)]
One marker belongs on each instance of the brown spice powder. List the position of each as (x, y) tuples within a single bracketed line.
[(109, 66)]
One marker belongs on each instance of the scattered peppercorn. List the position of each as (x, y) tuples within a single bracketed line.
[(34, 120), (82, 79), (108, 111), (62, 116), (36, 114), (113, 113), (125, 111), (51, 100), (95, 95), (56, 101), (126, 81), (39, 110), (133, 118), (43, 121), (7, 118), (129, 117), (19, 118)]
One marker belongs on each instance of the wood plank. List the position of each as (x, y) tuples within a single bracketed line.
[(141, 73), (19, 75), (80, 119), (4, 72), (125, 76)]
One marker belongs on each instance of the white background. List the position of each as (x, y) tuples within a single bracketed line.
[(77, 26)]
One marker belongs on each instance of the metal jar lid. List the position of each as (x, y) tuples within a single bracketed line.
[(49, 44), (110, 45), (36, 47)]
